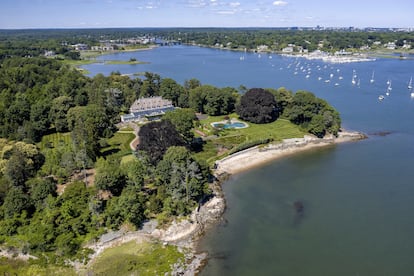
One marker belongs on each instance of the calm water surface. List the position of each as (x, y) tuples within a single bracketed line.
[(358, 197)]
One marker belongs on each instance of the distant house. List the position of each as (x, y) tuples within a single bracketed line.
[(106, 47), (288, 49), (390, 46), (151, 108), (81, 47), (262, 48), (50, 54)]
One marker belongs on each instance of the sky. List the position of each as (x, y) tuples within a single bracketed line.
[(22, 14)]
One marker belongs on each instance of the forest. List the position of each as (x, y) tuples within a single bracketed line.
[(57, 125)]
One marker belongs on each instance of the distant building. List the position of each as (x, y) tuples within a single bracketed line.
[(50, 54), (151, 108), (107, 47), (288, 49), (391, 46), (262, 48), (81, 47)]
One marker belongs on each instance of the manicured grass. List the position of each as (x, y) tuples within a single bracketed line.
[(216, 148), (126, 128), (137, 259), (278, 130), (119, 143)]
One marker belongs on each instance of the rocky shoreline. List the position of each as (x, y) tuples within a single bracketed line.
[(185, 233)]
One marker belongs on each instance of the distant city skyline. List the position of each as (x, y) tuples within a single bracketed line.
[(22, 14)]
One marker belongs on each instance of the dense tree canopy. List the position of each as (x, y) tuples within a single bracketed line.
[(183, 179), (183, 120), (156, 137), (257, 106), (212, 100), (314, 114)]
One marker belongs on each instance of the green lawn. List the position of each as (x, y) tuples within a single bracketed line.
[(132, 258), (55, 140), (137, 259), (216, 148), (119, 143), (22, 268)]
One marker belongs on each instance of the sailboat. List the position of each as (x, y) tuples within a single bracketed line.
[(410, 83), (354, 76), (389, 88), (372, 77)]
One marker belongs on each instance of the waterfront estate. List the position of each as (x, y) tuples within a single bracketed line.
[(151, 108)]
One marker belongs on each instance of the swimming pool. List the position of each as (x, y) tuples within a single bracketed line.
[(228, 125)]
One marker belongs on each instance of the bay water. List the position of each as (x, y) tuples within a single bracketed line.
[(358, 197)]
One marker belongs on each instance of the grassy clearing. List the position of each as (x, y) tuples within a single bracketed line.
[(218, 147), (23, 268), (137, 259), (76, 63), (127, 158), (55, 140), (119, 144)]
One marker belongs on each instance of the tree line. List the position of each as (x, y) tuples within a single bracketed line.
[(277, 39), (35, 42)]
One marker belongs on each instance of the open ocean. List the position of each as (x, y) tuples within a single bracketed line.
[(358, 197)]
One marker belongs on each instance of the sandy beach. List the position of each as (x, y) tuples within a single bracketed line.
[(259, 155)]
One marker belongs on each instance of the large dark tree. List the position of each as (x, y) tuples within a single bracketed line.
[(156, 137), (258, 106)]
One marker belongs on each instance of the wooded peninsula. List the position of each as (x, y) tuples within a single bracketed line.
[(70, 171)]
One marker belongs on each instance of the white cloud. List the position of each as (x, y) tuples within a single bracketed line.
[(196, 3), (234, 4), (280, 3), (225, 12)]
